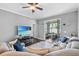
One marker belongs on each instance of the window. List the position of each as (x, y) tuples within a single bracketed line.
[(53, 27)]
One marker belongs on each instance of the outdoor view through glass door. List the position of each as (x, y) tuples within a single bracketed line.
[(53, 27)]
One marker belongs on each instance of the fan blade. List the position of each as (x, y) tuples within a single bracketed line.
[(39, 8), (33, 10), (30, 3), (26, 7), (36, 3)]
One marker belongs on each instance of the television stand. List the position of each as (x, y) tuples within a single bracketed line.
[(29, 40)]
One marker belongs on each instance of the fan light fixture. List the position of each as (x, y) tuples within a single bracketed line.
[(33, 7)]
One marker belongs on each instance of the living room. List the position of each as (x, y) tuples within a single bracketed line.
[(40, 29)]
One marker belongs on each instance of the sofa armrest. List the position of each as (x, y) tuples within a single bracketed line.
[(64, 52)]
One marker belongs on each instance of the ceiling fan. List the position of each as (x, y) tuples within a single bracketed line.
[(33, 6)]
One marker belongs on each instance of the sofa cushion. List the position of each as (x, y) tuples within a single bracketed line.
[(73, 43), (64, 52)]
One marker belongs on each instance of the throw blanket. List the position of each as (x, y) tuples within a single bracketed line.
[(16, 53)]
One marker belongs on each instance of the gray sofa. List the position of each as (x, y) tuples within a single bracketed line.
[(63, 52)]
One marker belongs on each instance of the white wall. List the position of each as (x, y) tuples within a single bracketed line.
[(70, 19), (78, 23), (8, 23)]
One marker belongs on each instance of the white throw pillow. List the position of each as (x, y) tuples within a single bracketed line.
[(10, 45), (74, 38)]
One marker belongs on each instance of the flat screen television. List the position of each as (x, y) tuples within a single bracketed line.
[(23, 30)]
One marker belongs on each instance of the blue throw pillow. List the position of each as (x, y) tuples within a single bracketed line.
[(18, 46), (63, 39)]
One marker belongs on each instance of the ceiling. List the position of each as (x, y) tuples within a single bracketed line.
[(49, 9)]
